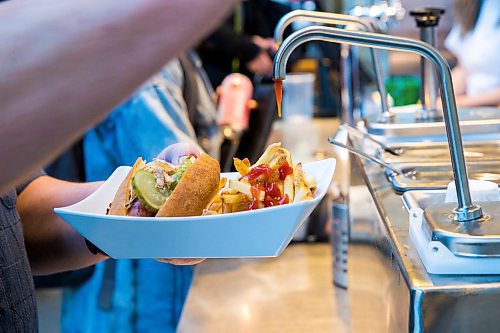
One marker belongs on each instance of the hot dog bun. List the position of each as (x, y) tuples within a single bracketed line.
[(119, 204), (195, 190), (192, 194)]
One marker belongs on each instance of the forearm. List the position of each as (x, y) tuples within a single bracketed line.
[(70, 62), (491, 98), (53, 245), (459, 79)]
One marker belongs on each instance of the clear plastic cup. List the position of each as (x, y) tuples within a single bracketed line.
[(298, 96)]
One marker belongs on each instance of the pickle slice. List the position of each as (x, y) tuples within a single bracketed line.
[(151, 197), (181, 170)]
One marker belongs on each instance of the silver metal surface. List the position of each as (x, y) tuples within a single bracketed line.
[(361, 153), (437, 175), (347, 20), (480, 238), (319, 17), (340, 243), (348, 72), (403, 125), (383, 146), (422, 302), (373, 40), (429, 89), (427, 20), (411, 152)]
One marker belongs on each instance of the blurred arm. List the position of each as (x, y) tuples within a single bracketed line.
[(491, 98), (458, 78), (70, 62), (52, 244)]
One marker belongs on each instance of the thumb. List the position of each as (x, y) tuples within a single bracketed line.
[(177, 152)]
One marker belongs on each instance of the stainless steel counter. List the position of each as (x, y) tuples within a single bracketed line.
[(428, 303), (293, 293)]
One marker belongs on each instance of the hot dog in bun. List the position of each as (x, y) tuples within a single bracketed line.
[(163, 190)]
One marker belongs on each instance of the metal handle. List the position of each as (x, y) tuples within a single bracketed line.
[(364, 155), (318, 17), (427, 20), (339, 19), (369, 137), (466, 210)]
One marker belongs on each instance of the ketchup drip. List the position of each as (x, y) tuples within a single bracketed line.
[(285, 170), (270, 202), (255, 195), (278, 90), (259, 170), (272, 193)]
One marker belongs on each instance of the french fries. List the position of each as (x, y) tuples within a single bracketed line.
[(246, 188), (242, 166), (234, 198), (289, 187), (268, 154), (272, 180)]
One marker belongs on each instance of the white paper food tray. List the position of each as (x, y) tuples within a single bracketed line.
[(259, 233)]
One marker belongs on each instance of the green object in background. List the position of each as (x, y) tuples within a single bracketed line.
[(404, 89)]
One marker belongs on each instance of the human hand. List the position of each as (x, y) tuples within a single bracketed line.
[(182, 262), (262, 64), (267, 44), (178, 152), (175, 154)]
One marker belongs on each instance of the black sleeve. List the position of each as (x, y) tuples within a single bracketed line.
[(226, 41), (262, 16), (24, 184)]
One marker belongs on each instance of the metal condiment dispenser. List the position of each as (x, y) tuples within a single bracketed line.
[(427, 20), (464, 228)]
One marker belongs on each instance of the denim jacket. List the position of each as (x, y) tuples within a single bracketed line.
[(144, 295)]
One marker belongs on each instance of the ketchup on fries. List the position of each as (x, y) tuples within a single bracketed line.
[(272, 181)]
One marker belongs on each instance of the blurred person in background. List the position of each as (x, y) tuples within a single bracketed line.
[(176, 105), (475, 42), (244, 42)]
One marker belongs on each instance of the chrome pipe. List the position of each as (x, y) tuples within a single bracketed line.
[(369, 137), (347, 86), (466, 210), (339, 19), (429, 91), (361, 153), (427, 20), (319, 17)]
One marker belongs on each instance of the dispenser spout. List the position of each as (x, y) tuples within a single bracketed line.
[(466, 210), (349, 21)]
